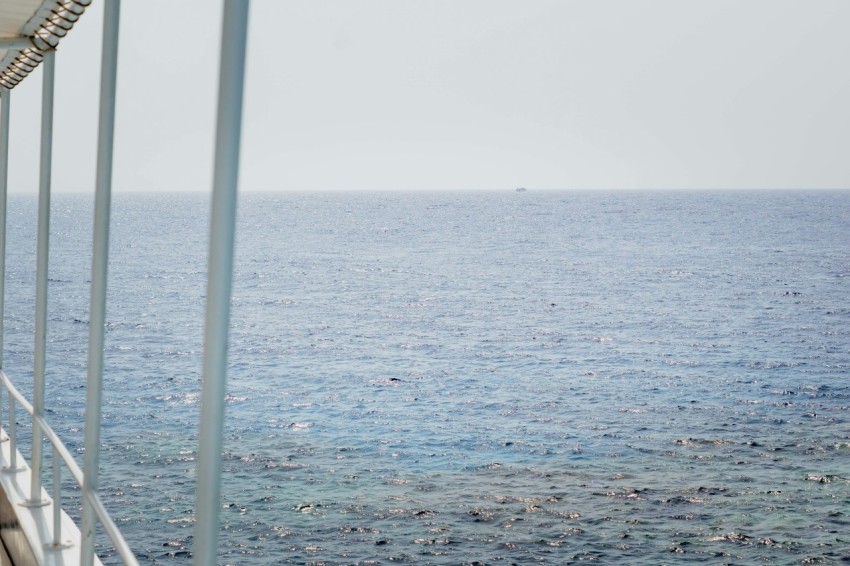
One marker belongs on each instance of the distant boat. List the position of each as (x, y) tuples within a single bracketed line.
[(521, 189)]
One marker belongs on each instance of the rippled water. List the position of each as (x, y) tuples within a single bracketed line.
[(470, 377)]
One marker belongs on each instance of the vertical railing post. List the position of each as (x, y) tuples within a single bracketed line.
[(48, 67), (57, 500), (4, 175), (219, 279), (13, 439), (100, 256)]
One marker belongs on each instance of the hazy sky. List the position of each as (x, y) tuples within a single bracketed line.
[(463, 94)]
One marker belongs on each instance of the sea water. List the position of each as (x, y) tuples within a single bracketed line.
[(447, 378)]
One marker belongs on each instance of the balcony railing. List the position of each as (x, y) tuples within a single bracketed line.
[(48, 529)]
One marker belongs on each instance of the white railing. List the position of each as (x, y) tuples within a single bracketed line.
[(59, 452), (222, 230)]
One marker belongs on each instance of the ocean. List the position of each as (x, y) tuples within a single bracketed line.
[(466, 377)]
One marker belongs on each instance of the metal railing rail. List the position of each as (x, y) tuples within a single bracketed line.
[(60, 450), (219, 280), (93, 507)]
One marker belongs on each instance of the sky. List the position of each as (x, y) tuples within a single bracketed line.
[(461, 94)]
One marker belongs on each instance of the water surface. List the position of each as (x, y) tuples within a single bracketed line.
[(440, 378)]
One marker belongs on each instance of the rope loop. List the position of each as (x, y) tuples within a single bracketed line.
[(55, 24)]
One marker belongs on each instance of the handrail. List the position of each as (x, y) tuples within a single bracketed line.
[(47, 429), (61, 450)]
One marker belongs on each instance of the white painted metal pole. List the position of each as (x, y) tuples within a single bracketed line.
[(4, 175), (222, 233), (100, 257), (48, 67), (57, 499), (13, 439)]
